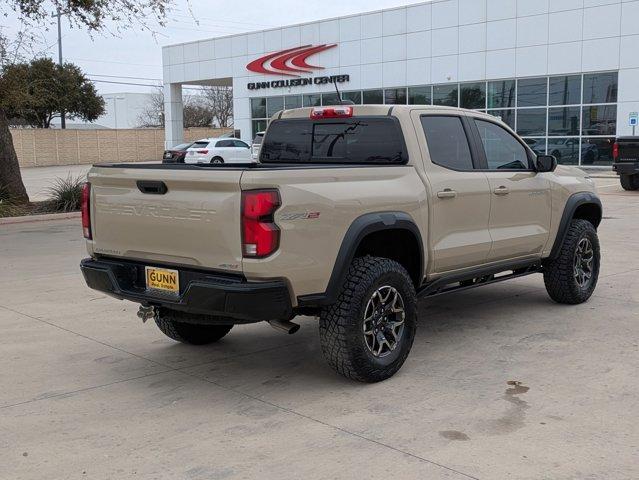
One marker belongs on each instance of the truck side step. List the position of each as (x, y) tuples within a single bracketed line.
[(474, 279)]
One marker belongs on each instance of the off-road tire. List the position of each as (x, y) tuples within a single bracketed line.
[(630, 182), (559, 276), (341, 324), (172, 324)]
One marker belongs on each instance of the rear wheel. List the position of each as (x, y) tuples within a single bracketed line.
[(630, 182), (179, 326), (217, 160), (367, 334), (572, 276)]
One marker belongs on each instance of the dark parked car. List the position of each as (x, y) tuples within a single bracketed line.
[(176, 154), (625, 153)]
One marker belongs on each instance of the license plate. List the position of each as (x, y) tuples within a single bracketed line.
[(163, 280)]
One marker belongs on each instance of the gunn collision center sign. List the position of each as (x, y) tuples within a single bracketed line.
[(292, 62)]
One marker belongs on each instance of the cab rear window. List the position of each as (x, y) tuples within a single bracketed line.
[(357, 140)]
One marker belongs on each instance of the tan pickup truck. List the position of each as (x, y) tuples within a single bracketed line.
[(352, 213)]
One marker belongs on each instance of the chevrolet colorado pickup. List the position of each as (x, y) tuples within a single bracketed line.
[(352, 213)]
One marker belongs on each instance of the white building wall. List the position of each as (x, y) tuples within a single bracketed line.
[(436, 42)]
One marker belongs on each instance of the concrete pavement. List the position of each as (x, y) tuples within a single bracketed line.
[(501, 383)]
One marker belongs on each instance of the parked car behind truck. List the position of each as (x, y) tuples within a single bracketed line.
[(218, 150), (625, 153), (352, 214)]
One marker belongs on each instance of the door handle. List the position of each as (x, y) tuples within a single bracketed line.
[(501, 190), (447, 193)]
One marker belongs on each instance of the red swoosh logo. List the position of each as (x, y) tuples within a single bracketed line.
[(289, 62)]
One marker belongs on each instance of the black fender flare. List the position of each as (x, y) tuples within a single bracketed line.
[(574, 201), (360, 228)]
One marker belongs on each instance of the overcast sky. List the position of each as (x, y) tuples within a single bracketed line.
[(138, 54)]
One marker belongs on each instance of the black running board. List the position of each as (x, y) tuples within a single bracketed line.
[(477, 278)]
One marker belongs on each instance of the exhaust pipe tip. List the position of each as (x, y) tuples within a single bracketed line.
[(284, 326)]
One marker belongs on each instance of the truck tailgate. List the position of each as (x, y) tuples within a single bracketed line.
[(196, 222)]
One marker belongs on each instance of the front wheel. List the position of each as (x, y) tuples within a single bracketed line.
[(572, 276), (367, 334)]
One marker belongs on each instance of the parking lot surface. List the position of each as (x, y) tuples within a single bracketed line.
[(501, 382)]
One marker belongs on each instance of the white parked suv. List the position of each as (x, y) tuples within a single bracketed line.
[(257, 145), (219, 150)]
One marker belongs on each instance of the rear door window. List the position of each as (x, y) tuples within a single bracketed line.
[(447, 142), (225, 143), (359, 140)]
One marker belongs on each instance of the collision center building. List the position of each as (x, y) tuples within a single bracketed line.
[(563, 73)]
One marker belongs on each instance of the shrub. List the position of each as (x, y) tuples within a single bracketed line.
[(66, 194), (8, 208)]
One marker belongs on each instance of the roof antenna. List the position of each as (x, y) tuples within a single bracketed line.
[(339, 96)]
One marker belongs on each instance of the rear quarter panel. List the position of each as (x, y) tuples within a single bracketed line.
[(318, 207)]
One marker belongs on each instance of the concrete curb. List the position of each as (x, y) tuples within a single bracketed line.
[(39, 218)]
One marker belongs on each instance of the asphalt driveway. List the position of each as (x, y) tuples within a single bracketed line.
[(501, 383)]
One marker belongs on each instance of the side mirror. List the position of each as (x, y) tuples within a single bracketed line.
[(545, 163)]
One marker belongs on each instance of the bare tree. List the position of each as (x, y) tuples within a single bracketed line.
[(220, 99), (152, 116), (196, 113)]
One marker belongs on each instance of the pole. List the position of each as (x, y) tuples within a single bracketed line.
[(63, 123)]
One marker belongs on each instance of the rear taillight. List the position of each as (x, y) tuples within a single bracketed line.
[(203, 151), (615, 151), (85, 206), (331, 112), (260, 235)]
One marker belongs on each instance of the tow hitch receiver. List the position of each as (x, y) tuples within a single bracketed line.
[(146, 312)]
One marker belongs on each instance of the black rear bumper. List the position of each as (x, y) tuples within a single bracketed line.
[(626, 168), (200, 292)]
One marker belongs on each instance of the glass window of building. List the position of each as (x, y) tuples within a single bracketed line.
[(506, 116), (446, 95), (532, 92), (373, 97), (274, 105), (531, 122), (312, 100), (395, 96), (258, 126), (563, 121), (599, 120), (258, 107), (330, 99), (292, 101), (600, 87), (473, 95), (597, 151), (419, 95), (564, 90), (501, 94), (355, 97), (565, 150)]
